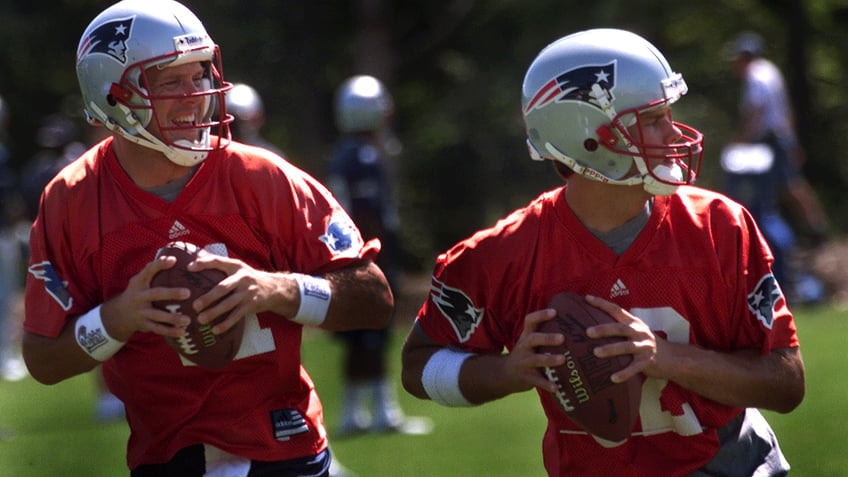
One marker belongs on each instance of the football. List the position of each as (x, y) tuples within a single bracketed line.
[(586, 393), (199, 345)]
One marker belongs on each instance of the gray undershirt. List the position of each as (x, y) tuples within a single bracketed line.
[(619, 238), (169, 191)]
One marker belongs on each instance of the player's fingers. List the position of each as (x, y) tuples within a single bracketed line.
[(615, 311), (608, 330), (215, 302), (544, 383), (166, 330), (530, 339), (634, 368), (232, 319), (167, 324), (538, 338), (142, 279), (528, 370), (615, 349), (542, 360), (206, 261), (163, 262), (534, 319), (231, 305), (166, 294)]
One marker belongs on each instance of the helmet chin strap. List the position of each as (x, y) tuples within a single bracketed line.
[(586, 171), (649, 181), (180, 157), (652, 184)]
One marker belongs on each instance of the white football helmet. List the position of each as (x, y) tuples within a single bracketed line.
[(363, 104), (116, 50), (244, 103), (582, 93)]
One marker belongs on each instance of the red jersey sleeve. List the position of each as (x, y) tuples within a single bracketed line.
[(57, 239), (769, 323), (316, 233)]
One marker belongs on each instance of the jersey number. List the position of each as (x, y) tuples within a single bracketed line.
[(256, 340), (654, 419)]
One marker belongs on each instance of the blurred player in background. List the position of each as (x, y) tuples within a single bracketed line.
[(362, 177), (246, 106), (684, 272), (11, 213), (762, 166), (149, 72), (59, 144)]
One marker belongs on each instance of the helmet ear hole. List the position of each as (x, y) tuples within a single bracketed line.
[(111, 100), (590, 145)]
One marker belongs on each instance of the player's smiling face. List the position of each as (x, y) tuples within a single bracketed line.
[(176, 112)]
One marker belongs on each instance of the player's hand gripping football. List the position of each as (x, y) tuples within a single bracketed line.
[(245, 291), (522, 365), (645, 346), (133, 310)]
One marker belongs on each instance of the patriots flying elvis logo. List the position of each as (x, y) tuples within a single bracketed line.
[(762, 300), (457, 308), (53, 285), (110, 39), (592, 84), (341, 236)]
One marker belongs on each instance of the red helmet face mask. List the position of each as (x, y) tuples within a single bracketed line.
[(209, 129), (675, 163)]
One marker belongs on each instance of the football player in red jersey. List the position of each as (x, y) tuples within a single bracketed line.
[(684, 271), (149, 72)]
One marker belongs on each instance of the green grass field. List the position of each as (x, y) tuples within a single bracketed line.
[(49, 431)]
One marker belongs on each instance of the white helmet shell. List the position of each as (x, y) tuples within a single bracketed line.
[(583, 91)]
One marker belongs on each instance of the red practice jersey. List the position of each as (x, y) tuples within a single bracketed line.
[(96, 229), (698, 273)]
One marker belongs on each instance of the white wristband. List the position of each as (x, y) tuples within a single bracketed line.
[(92, 337), (315, 295), (440, 377)]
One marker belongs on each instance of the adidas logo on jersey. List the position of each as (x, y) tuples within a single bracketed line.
[(177, 230), (618, 289)]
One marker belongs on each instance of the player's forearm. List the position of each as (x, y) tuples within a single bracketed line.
[(744, 378), (483, 378), (52, 360), (480, 379), (361, 299)]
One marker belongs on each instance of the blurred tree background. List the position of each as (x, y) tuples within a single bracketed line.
[(455, 69)]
